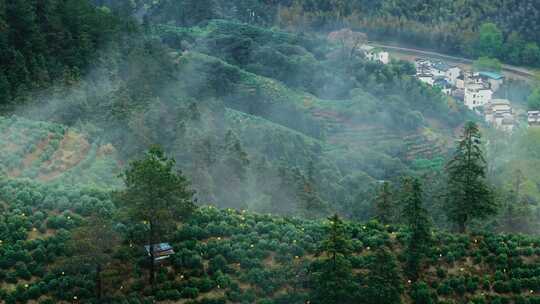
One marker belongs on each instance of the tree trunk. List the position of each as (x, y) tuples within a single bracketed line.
[(99, 284), (152, 263), (462, 226)]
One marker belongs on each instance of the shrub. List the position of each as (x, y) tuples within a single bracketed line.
[(190, 293), (444, 289), (421, 293), (218, 263), (515, 285), (441, 273), (501, 287)]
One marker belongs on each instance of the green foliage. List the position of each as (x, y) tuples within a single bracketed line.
[(421, 293), (212, 239), (383, 283), (154, 192), (245, 110), (157, 195), (337, 242), (487, 64), (44, 42), (417, 219), (534, 100), (332, 281), (332, 277), (384, 204), (490, 41), (469, 196)]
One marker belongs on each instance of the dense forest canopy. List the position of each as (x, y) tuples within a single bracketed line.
[(503, 29), (42, 42)]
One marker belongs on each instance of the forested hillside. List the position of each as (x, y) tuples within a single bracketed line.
[(247, 110), (504, 29), (212, 151), (44, 42)]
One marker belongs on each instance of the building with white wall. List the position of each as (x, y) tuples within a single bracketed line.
[(534, 118), (451, 72), (376, 54), (477, 95), (497, 107), (426, 78), (499, 113), (444, 84)]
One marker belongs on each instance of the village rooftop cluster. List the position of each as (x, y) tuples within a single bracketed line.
[(475, 89)]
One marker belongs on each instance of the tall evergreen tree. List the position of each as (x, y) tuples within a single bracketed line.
[(331, 278), (311, 204), (417, 219), (232, 172), (469, 196), (382, 284), (94, 243), (337, 243), (516, 211), (157, 195), (5, 94), (384, 205)]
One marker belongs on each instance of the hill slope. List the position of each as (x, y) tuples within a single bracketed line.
[(230, 256), (54, 153), (228, 99)]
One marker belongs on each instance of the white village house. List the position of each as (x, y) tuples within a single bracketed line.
[(444, 84), (426, 78), (439, 74), (376, 54), (499, 113), (476, 89), (451, 72), (533, 117), (460, 82), (477, 95), (422, 64)]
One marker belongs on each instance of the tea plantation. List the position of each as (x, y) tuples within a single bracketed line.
[(54, 153), (231, 256)]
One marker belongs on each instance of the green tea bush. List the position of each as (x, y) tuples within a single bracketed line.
[(190, 293), (421, 293)]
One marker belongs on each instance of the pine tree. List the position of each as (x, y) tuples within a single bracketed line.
[(5, 94), (93, 243), (232, 173), (331, 278), (469, 196), (417, 219), (236, 158), (337, 244), (311, 204), (515, 211), (24, 31), (157, 195), (384, 206), (382, 284)]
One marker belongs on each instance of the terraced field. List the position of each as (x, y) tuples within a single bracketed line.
[(53, 153), (420, 146)]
